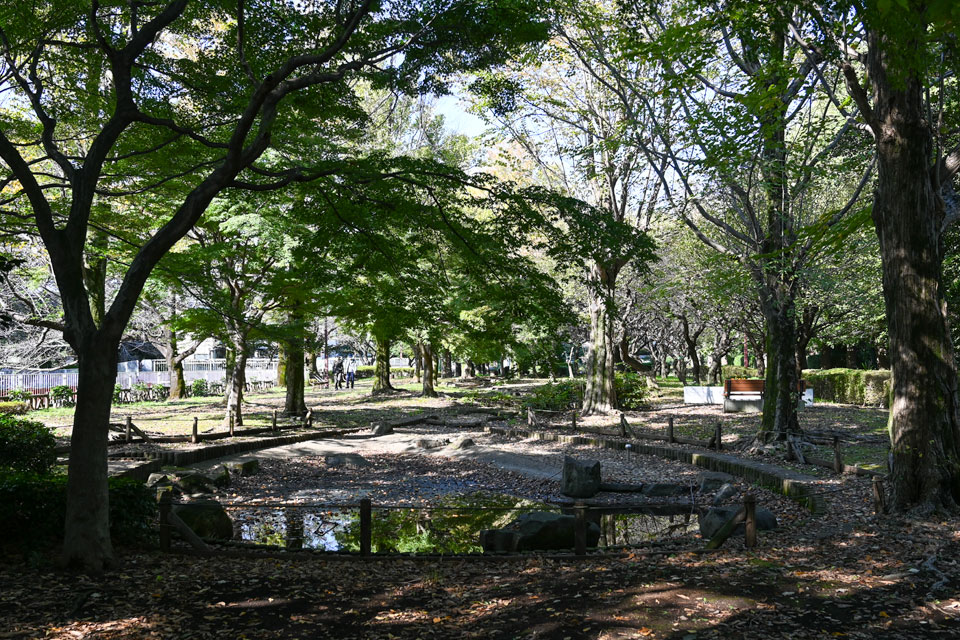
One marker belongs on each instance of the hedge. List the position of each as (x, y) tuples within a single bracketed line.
[(34, 506), (729, 371), (368, 371), (26, 445), (850, 386), (14, 408)]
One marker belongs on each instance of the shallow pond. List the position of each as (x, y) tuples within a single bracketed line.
[(451, 524)]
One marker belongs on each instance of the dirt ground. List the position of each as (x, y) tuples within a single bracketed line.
[(845, 573)]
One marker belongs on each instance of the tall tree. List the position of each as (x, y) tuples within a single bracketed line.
[(192, 95)]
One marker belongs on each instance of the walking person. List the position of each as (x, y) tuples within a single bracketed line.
[(351, 372), (338, 373)]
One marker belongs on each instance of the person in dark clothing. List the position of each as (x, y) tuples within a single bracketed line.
[(338, 373)]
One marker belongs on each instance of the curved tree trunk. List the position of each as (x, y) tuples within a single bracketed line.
[(426, 351), (600, 394), (907, 214), (87, 534), (381, 377)]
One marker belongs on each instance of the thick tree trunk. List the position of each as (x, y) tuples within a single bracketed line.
[(295, 404), (86, 540), (426, 351), (600, 394), (381, 376), (781, 394), (907, 214)]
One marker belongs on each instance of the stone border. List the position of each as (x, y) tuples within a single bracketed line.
[(193, 456), (794, 485)]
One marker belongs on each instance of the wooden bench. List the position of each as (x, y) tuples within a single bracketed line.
[(751, 387)]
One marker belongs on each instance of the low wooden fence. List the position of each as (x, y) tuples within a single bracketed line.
[(584, 514), (715, 443)]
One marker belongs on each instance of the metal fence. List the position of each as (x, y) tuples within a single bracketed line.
[(155, 373)]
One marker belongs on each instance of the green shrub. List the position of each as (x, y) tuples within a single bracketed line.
[(369, 370), (26, 445), (34, 506), (631, 390), (14, 408), (850, 386), (62, 396), (199, 388), (402, 372), (117, 394), (366, 371), (728, 372), (19, 394), (556, 396)]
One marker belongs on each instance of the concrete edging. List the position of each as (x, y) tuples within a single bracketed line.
[(794, 485)]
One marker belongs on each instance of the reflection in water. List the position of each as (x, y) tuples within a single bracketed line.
[(451, 525)]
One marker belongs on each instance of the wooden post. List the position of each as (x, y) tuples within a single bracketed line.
[(574, 420), (129, 428), (165, 499), (580, 529), (366, 523), (670, 430), (718, 436), (750, 520), (879, 504), (273, 424), (309, 420), (529, 417), (230, 421), (623, 425), (196, 433), (837, 456), (293, 518)]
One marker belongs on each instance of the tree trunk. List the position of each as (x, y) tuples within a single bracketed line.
[(426, 351), (295, 404), (237, 380), (691, 339), (781, 394), (417, 360), (86, 540), (381, 376), (312, 364), (283, 360), (907, 214), (447, 364), (600, 394)]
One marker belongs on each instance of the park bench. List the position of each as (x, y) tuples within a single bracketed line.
[(733, 387)]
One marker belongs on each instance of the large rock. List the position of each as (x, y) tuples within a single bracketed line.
[(581, 478), (349, 460), (462, 443), (710, 481), (711, 521), (381, 429), (725, 493), (244, 466), (207, 518), (157, 480), (194, 483), (219, 476), (537, 531), (429, 443), (499, 540)]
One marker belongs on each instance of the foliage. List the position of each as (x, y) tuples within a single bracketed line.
[(730, 372), (19, 394), (850, 386), (199, 388), (117, 394), (34, 506), (14, 408), (556, 396), (26, 445), (631, 390), (62, 396)]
